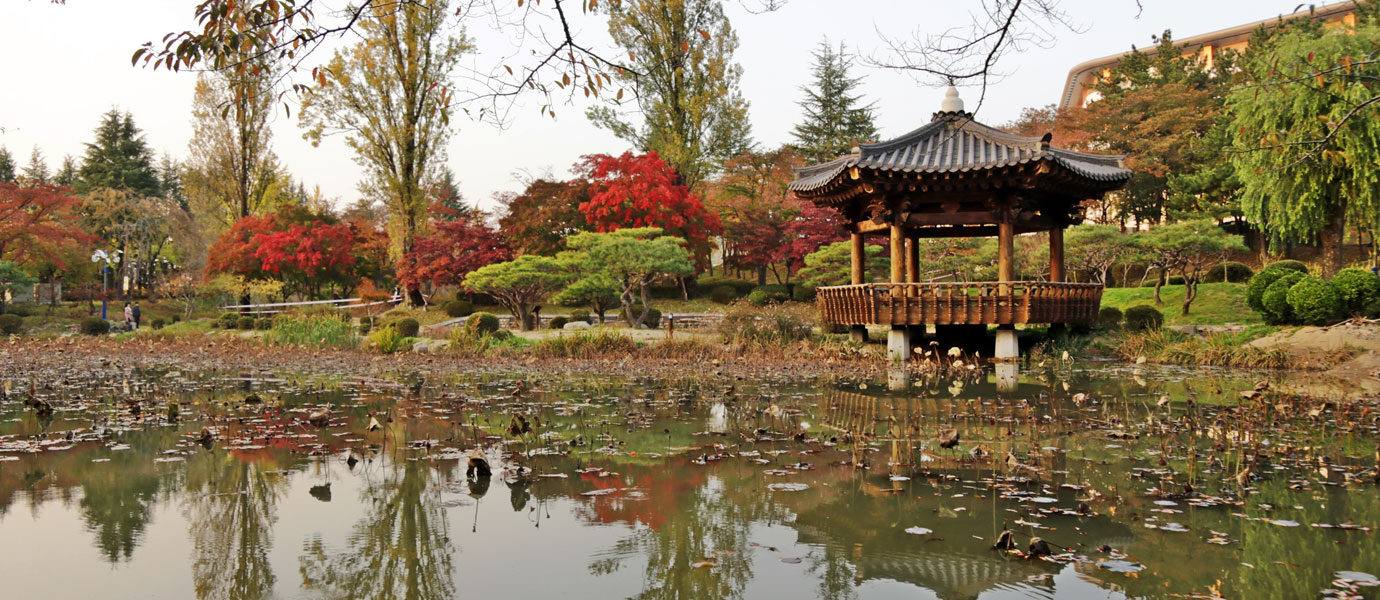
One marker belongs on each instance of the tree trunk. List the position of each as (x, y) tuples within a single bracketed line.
[(1330, 238), (761, 275), (1190, 293), (1159, 283)]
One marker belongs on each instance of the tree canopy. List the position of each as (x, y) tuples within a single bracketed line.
[(835, 117)]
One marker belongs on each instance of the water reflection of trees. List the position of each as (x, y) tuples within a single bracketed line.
[(118, 496), (709, 521), (230, 510), (400, 549)]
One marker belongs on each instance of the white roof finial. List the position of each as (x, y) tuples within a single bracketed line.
[(952, 103)]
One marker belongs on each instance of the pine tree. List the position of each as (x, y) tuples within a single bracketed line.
[(119, 159), (67, 175), (444, 193), (6, 166), (834, 116), (37, 170)]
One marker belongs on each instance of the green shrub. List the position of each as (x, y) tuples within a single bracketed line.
[(1255, 289), (1109, 317), (388, 340), (1358, 288), (775, 292), (1232, 272), (365, 325), (653, 319), (1276, 298), (482, 323), (667, 291), (723, 294), (312, 331), (157, 323), (557, 322), (580, 315), (10, 324), (1144, 317), (467, 343), (803, 293), (1176, 280), (459, 308), (1372, 310), (95, 326), (245, 323), (1289, 265), (177, 318), (592, 343), (229, 316), (1314, 301), (21, 310), (263, 324), (408, 326)]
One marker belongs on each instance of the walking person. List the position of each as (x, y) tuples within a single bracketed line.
[(129, 316), (136, 316)]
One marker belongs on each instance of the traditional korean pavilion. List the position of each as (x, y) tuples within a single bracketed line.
[(956, 177)]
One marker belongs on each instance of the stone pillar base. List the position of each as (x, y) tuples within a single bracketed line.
[(898, 344), (858, 333), (1007, 358)]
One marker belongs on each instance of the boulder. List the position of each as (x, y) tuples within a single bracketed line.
[(576, 325)]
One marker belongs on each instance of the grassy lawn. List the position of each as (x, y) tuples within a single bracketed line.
[(1217, 303)]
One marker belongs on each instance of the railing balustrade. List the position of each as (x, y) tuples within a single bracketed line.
[(967, 303)]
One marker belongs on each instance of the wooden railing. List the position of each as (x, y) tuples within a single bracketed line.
[(974, 303)]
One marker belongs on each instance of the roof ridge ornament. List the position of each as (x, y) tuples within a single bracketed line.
[(952, 103)]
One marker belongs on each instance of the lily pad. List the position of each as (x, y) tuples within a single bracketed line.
[(919, 531)]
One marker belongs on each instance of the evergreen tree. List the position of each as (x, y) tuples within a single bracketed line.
[(119, 159), (686, 85), (444, 193), (6, 166), (834, 116), (67, 175), (37, 170), (170, 179)]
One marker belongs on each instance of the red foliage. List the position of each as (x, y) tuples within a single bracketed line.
[(306, 251), (233, 251), (641, 191), (37, 220), (296, 247), (457, 244), (812, 228), (537, 220)]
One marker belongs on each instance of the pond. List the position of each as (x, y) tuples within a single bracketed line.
[(1140, 482)]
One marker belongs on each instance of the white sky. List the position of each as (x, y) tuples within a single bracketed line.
[(65, 65)]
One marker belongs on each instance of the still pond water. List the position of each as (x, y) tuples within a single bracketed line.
[(1146, 482)]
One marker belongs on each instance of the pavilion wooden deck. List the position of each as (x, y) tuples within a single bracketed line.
[(975, 303)]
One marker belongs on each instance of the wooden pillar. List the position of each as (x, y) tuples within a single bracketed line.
[(1006, 265), (859, 258), (1056, 255), (898, 254), (913, 260)]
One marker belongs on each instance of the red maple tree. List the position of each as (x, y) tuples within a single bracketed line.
[(456, 245), (38, 221), (641, 191), (303, 250)]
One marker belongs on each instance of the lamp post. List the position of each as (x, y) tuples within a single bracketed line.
[(99, 256)]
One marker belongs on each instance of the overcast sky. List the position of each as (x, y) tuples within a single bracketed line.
[(65, 65)]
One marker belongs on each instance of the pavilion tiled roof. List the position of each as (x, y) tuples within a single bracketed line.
[(954, 142)]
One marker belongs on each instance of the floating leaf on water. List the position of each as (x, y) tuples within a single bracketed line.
[(704, 563), (919, 531), (1356, 577), (599, 492), (791, 560), (899, 478), (1044, 500), (1175, 527), (1166, 503), (1284, 522)]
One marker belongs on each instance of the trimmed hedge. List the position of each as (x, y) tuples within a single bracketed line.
[(740, 288), (580, 315), (653, 316), (1255, 289), (1276, 298), (246, 323), (365, 325), (408, 326), (1144, 317), (458, 308), (772, 293), (803, 293), (1314, 301), (263, 324), (1289, 265), (157, 323), (557, 322), (481, 323), (1358, 288), (95, 326), (723, 294), (1109, 317), (10, 324), (1231, 272)]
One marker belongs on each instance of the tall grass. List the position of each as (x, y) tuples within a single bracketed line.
[(585, 344), (767, 327), (311, 331), (466, 344), (388, 340)]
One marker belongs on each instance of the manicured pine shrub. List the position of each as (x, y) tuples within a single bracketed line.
[(1290, 265), (481, 323), (459, 308), (1314, 301), (1276, 298), (408, 326), (1144, 318), (10, 324), (1358, 288), (95, 326), (1109, 317)]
